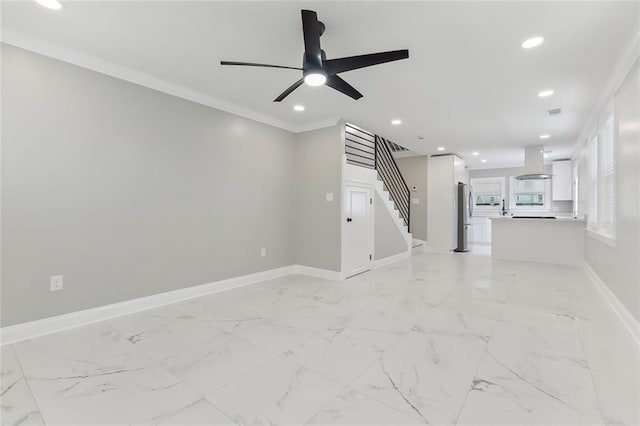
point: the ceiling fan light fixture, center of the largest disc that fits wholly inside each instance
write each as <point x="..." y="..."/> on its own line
<point x="315" y="79"/>
<point x="50" y="4"/>
<point x="532" y="42"/>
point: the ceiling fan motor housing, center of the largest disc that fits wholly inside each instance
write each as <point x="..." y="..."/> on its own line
<point x="311" y="67"/>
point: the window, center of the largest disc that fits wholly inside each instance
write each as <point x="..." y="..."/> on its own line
<point x="593" y="182"/>
<point x="488" y="193"/>
<point x="607" y="177"/>
<point x="531" y="194"/>
<point x="576" y="189"/>
<point x="602" y="180"/>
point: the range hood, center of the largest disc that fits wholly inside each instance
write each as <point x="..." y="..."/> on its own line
<point x="534" y="163"/>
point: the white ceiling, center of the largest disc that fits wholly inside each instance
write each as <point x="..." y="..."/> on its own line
<point x="468" y="85"/>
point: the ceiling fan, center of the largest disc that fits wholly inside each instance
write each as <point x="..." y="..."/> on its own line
<point x="317" y="69"/>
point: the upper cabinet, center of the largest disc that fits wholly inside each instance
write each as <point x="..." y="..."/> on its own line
<point x="562" y="181"/>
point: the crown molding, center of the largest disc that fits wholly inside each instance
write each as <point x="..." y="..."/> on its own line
<point x="93" y="63"/>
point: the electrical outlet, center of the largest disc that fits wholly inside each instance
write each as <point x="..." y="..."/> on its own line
<point x="329" y="196"/>
<point x="56" y="283"/>
<point x="263" y="252"/>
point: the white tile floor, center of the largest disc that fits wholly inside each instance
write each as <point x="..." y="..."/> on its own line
<point x="439" y="339"/>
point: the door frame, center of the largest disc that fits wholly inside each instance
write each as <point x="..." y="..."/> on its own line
<point x="372" y="194"/>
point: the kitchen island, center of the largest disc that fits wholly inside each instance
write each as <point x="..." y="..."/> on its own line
<point x="557" y="241"/>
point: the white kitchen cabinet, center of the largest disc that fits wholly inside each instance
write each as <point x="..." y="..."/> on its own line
<point x="480" y="231"/>
<point x="562" y="181"/>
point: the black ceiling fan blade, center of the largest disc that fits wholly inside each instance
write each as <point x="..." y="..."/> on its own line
<point x="335" y="66"/>
<point x="252" y="64"/>
<point x="342" y="86"/>
<point x="311" y="33"/>
<point x="290" y="89"/>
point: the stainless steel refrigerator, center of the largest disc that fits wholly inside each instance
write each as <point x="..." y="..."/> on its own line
<point x="464" y="203"/>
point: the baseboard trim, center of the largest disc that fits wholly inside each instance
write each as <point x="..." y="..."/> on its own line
<point x="391" y="259"/>
<point x="629" y="321"/>
<point x="317" y="272"/>
<point x="29" y="330"/>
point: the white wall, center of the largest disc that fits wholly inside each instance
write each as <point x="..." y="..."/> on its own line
<point x="129" y="192"/>
<point x="414" y="171"/>
<point x="441" y="216"/>
<point x="317" y="224"/>
<point x="617" y="262"/>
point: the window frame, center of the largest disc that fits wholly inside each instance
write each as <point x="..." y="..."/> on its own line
<point x="498" y="179"/>
<point x="546" y="207"/>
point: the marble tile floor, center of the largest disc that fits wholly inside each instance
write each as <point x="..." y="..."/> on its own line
<point x="435" y="339"/>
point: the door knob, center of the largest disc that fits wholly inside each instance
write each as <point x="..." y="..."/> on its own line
<point x="349" y="219"/>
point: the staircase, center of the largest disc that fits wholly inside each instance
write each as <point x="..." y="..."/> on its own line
<point x="370" y="151"/>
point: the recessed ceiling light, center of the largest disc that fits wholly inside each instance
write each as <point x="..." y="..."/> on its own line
<point x="532" y="42"/>
<point x="545" y="136"/>
<point x="545" y="93"/>
<point x="483" y="161"/>
<point x="475" y="153"/>
<point x="396" y="122"/>
<point x="315" y="79"/>
<point x="441" y="148"/>
<point x="50" y="4"/>
<point x="298" y="107"/>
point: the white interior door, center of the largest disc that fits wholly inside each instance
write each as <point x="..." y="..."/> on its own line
<point x="358" y="238"/>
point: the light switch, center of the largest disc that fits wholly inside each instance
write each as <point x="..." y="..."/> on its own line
<point x="415" y="201"/>
<point x="329" y="196"/>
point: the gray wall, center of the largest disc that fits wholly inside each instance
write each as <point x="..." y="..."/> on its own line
<point x="619" y="266"/>
<point x="318" y="170"/>
<point x="414" y="171"/>
<point x="388" y="240"/>
<point x="556" y="206"/>
<point x="129" y="192"/>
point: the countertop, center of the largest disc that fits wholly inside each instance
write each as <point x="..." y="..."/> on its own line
<point x="563" y="219"/>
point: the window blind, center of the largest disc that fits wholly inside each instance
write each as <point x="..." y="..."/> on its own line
<point x="593" y="181"/>
<point x="607" y="165"/>
<point x="488" y="188"/>
<point x="530" y="186"/>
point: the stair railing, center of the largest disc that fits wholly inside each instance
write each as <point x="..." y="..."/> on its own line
<point x="365" y="149"/>
<point x="392" y="178"/>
